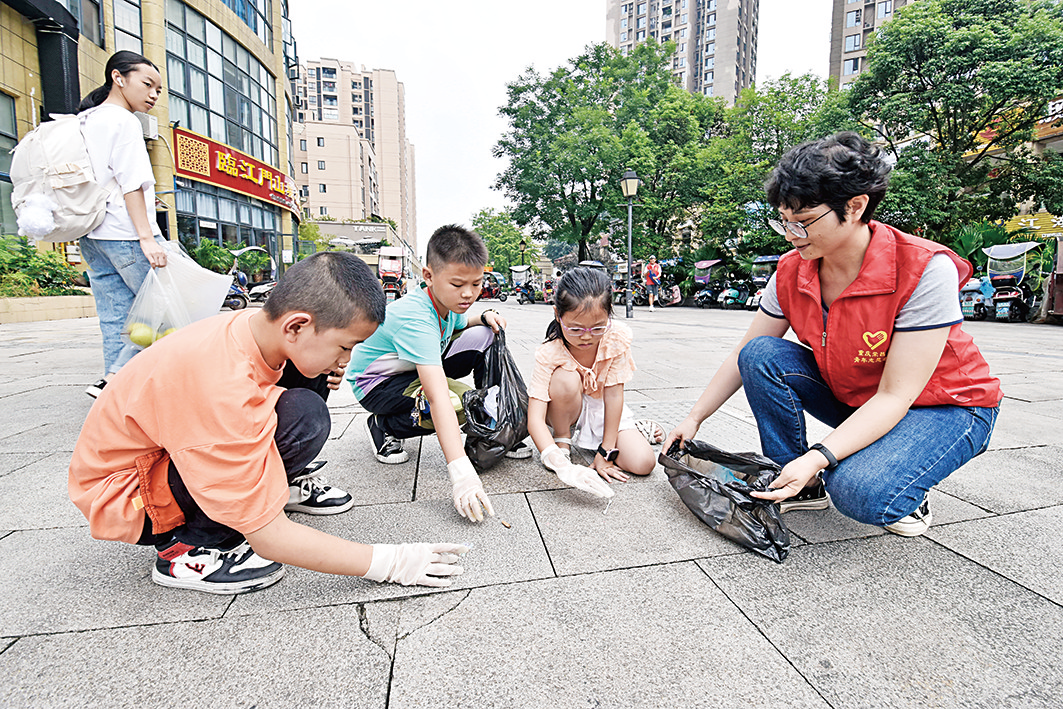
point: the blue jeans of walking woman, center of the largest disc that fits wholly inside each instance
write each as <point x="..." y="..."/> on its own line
<point x="889" y="478"/>
<point x="117" y="269"/>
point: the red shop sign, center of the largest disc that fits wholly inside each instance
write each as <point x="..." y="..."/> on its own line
<point x="203" y="159"/>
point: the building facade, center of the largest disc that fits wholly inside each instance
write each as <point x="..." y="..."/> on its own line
<point x="355" y="160"/>
<point x="852" y="24"/>
<point x="716" y="40"/>
<point x="220" y="134"/>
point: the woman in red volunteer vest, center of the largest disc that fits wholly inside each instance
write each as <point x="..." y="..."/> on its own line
<point x="882" y="357"/>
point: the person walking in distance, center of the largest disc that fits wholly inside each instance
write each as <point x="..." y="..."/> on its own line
<point x="652" y="272"/>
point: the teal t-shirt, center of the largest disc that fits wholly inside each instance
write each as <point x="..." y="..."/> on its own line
<point x="411" y="334"/>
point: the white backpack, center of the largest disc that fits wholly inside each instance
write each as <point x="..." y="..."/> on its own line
<point x="56" y="196"/>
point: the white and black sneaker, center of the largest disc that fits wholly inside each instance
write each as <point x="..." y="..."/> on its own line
<point x="311" y="494"/>
<point x="811" y="497"/>
<point x="96" y="388"/>
<point x="387" y="448"/>
<point x="914" y="524"/>
<point x="237" y="570"/>
<point x="520" y="451"/>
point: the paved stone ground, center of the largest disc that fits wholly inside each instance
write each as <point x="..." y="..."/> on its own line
<point x="639" y="607"/>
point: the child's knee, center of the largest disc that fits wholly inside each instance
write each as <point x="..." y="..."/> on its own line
<point x="636" y="455"/>
<point x="566" y="386"/>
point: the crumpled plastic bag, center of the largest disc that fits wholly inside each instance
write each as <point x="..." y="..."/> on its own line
<point x="716" y="486"/>
<point x="157" y="311"/>
<point x="496" y="414"/>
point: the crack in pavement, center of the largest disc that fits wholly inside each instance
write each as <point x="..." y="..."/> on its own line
<point x="433" y="620"/>
<point x="363" y="624"/>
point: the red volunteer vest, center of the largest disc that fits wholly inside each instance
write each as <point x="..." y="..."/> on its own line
<point x="851" y="350"/>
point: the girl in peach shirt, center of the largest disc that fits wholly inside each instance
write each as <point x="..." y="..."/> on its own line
<point x="579" y="378"/>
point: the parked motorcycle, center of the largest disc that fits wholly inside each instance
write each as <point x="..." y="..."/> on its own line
<point x="734" y="296"/>
<point x="525" y="293"/>
<point x="639" y="296"/>
<point x="237" y="297"/>
<point x="1012" y="297"/>
<point x="259" y="292"/>
<point x="976" y="298"/>
<point x="491" y="289"/>
<point x="709" y="296"/>
<point x="763" y="268"/>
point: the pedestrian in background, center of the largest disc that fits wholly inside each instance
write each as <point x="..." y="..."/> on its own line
<point x="126" y="244"/>
<point x="652" y="273"/>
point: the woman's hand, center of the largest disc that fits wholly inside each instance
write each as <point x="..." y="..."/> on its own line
<point x="794" y="477"/>
<point x="685" y="431"/>
<point x="153" y="252"/>
<point x="608" y="470"/>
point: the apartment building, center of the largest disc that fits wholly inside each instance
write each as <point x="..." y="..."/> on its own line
<point x="219" y="135"/>
<point x="716" y="40"/>
<point x="853" y="22"/>
<point x="358" y="161"/>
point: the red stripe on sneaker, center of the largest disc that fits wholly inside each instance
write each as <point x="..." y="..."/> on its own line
<point x="175" y="551"/>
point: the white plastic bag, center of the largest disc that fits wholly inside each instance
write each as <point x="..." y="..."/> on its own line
<point x="201" y="289"/>
<point x="157" y="311"/>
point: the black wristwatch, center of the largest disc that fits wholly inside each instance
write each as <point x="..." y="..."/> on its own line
<point x="608" y="455"/>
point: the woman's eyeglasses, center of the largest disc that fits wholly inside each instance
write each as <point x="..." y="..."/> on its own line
<point x="796" y="228"/>
<point x="596" y="331"/>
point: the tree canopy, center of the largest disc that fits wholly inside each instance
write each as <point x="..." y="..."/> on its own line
<point x="503" y="240"/>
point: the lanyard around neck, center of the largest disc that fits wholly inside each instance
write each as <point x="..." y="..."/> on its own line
<point x="435" y="310"/>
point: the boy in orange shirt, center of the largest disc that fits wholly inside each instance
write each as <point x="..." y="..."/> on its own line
<point x="193" y="448"/>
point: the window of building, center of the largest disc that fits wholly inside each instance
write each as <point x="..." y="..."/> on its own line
<point x="320" y="164"/>
<point x="256" y="14"/>
<point x="852" y="42"/>
<point x="328" y="72"/>
<point x="641" y="22"/>
<point x="208" y="212"/>
<point x="885" y="8"/>
<point x="641" y="9"/>
<point x="683" y="33"/>
<point x="322" y="188"/>
<point x="329" y="101"/>
<point x="851" y="66"/>
<point x="710" y="34"/>
<point x="682" y="62"/>
<point x="710" y="62"/>
<point x="311" y="73"/>
<point x="330" y="114"/>
<point x="8" y="139"/>
<point x="708" y="90"/>
<point x="321" y="144"/>
<point x="666" y="11"/>
<point x="127" y="29"/>
<point x="329" y="86"/>
<point x="302" y="143"/>
<point x="710" y="5"/>
<point x="623" y="36"/>
<point x="852" y="18"/>
<point x="710" y="48"/>
<point x="304" y="168"/>
<point x="683" y="19"/>
<point x="323" y="211"/>
<point x="710" y="19"/>
<point x="640" y="36"/>
<point x="216" y="87"/>
<point x="89" y="17"/>
<point x="623" y="23"/>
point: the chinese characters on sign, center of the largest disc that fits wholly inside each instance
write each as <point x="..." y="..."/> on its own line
<point x="202" y="159"/>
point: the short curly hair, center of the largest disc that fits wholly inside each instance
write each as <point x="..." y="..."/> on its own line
<point x="830" y="171"/>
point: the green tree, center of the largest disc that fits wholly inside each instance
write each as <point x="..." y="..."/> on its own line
<point x="503" y="238"/>
<point x="955" y="88"/>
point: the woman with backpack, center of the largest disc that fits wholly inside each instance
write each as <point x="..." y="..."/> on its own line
<point x="126" y="244"/>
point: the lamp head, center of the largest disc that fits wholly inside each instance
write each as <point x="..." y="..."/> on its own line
<point x="629" y="184"/>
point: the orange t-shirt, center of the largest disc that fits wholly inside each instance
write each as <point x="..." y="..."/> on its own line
<point x="203" y="395"/>
<point x="613" y="364"/>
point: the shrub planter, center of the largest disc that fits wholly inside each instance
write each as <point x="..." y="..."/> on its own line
<point x="46" y="307"/>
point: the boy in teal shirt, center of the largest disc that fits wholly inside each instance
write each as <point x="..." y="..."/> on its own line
<point x="425" y="341"/>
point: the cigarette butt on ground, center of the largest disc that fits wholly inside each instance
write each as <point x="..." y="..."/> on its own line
<point x="505" y="524"/>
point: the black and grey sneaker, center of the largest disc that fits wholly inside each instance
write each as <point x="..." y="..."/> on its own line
<point x="96" y="388"/>
<point x="311" y="494"/>
<point x="387" y="449"/>
<point x="238" y="570"/>
<point x="519" y="452"/>
<point x="914" y="524"/>
<point x="812" y="497"/>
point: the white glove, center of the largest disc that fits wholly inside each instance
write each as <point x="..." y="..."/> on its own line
<point x="577" y="476"/>
<point x="469" y="492"/>
<point x="416" y="564"/>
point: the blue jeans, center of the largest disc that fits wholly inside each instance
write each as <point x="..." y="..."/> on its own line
<point x="118" y="269"/>
<point x="889" y="478"/>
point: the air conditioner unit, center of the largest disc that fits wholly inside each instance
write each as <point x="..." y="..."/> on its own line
<point x="149" y="124"/>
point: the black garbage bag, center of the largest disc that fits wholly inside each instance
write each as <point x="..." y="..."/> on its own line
<point x="716" y="486"/>
<point x="496" y="415"/>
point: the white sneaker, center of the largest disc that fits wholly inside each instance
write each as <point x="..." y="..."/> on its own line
<point x="237" y="570"/>
<point x="311" y="494"/>
<point x="651" y="308"/>
<point x="914" y="524"/>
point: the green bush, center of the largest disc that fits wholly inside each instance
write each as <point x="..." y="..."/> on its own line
<point x="26" y="272"/>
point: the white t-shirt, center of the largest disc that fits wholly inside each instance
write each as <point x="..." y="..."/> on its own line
<point x="934" y="303"/>
<point x="115" y="141"/>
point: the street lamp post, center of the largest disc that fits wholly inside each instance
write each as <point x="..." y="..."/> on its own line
<point x="629" y="185"/>
<point x="523" y="245"/>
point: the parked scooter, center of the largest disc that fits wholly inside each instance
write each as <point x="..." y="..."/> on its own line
<point x="260" y="291"/>
<point x="734" y="296"/>
<point x="639" y="295"/>
<point x="525" y="293"/>
<point x="1012" y="297"/>
<point x="237" y="297"/>
<point x="709" y="296"/>
<point x="976" y="298"/>
<point x="763" y="268"/>
<point x="492" y="290"/>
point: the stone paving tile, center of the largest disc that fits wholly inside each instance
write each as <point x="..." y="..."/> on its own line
<point x="61" y="580"/>
<point x="1009" y="480"/>
<point x="505" y="477"/>
<point x="10" y="462"/>
<point x="41" y="489"/>
<point x="830" y="525"/>
<point x="44" y="438"/>
<point x="893" y="622"/>
<point x="309" y="658"/>
<point x="1026" y="547"/>
<point x="499" y="555"/>
<point x="1019" y="426"/>
<point x="654" y="637"/>
<point x="352" y="467"/>
<point x="1031" y="386"/>
<point x="646" y="523"/>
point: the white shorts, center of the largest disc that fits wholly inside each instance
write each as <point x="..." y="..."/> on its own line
<point x="591" y="424"/>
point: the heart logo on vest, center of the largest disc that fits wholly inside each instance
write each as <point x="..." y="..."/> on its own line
<point x="874" y="339"/>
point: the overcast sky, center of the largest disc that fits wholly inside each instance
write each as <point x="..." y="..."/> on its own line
<point x="455" y="59"/>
